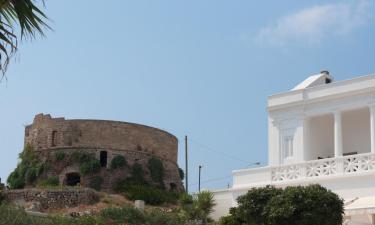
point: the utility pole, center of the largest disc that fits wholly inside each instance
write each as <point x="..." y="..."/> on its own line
<point x="186" y="166"/>
<point x="199" y="182"/>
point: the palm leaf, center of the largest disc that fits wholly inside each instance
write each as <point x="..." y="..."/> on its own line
<point x="22" y="15"/>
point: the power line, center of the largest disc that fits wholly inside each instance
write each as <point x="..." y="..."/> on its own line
<point x="222" y="153"/>
<point x="212" y="180"/>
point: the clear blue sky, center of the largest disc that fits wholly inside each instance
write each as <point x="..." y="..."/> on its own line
<point x="201" y="68"/>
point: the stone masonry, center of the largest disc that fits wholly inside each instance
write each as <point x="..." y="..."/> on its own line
<point x="137" y="143"/>
<point x="53" y="198"/>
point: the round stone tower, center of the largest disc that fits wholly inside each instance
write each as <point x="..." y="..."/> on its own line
<point x="105" y="140"/>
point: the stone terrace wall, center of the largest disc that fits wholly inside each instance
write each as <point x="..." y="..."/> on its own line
<point x="53" y="198"/>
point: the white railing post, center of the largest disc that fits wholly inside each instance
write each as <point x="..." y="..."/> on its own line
<point x="340" y="165"/>
<point x="303" y="170"/>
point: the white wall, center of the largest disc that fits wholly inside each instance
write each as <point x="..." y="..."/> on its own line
<point x="321" y="137"/>
<point x="356" y="131"/>
<point x="223" y="200"/>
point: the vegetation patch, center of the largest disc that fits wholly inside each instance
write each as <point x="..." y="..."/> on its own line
<point x="90" y="167"/>
<point x="156" y="168"/>
<point x="27" y="171"/>
<point x="96" y="183"/>
<point x="309" y="205"/>
<point x="49" y="182"/>
<point x="151" y="195"/>
<point x="181" y="173"/>
<point x="81" y="157"/>
<point x="59" y="156"/>
<point x="118" y="161"/>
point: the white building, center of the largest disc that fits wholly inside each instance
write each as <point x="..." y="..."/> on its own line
<point x="319" y="132"/>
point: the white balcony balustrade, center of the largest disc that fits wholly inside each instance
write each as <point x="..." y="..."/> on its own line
<point x="359" y="163"/>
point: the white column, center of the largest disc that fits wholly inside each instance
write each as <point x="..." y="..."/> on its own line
<point x="338" y="134"/>
<point x="372" y="128"/>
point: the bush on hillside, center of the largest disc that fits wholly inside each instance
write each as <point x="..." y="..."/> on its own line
<point x="31" y="175"/>
<point x="151" y="195"/>
<point x="181" y="173"/>
<point x="96" y="183"/>
<point x="156" y="168"/>
<point x="90" y="167"/>
<point x="118" y="161"/>
<point x="309" y="205"/>
<point x="27" y="171"/>
<point x="125" y="215"/>
<point x="49" y="182"/>
<point x="81" y="157"/>
<point x="59" y="156"/>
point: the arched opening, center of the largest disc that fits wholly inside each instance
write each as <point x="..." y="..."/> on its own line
<point x="72" y="179"/>
<point x="173" y="186"/>
<point x="54" y="137"/>
<point x="103" y="158"/>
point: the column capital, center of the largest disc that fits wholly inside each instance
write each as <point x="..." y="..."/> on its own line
<point x="337" y="112"/>
<point x="371" y="106"/>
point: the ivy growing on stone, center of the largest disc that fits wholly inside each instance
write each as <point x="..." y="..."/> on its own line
<point x="96" y="183"/>
<point x="27" y="171"/>
<point x="156" y="168"/>
<point x="118" y="161"/>
<point x="90" y="167"/>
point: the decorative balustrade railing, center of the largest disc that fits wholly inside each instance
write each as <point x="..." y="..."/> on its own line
<point x="325" y="167"/>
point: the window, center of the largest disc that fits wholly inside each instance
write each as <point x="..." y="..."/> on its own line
<point x="288" y="147"/>
<point x="54" y="137"/>
<point x="103" y="158"/>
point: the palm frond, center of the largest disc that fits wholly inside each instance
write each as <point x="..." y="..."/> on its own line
<point x="18" y="14"/>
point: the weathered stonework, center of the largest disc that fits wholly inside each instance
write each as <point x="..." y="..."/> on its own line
<point x="53" y="198"/>
<point x="137" y="143"/>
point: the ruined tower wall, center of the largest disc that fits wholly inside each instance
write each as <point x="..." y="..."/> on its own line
<point x="137" y="143"/>
<point x="48" y="133"/>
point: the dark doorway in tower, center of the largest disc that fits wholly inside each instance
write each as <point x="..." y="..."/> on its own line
<point x="73" y="179"/>
<point x="103" y="158"/>
<point x="173" y="186"/>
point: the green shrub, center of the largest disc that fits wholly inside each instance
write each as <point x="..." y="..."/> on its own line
<point x="158" y="217"/>
<point x="41" y="168"/>
<point x="229" y="220"/>
<point x="137" y="174"/>
<point x="181" y="173"/>
<point x="308" y="205"/>
<point x="125" y="215"/>
<point x="96" y="183"/>
<point x="26" y="171"/>
<point x="90" y="167"/>
<point x="81" y="157"/>
<point x="149" y="194"/>
<point x="118" y="161"/>
<point x="49" y="182"/>
<point x="156" y="168"/>
<point x="31" y="175"/>
<point x="15" y="181"/>
<point x="59" y="156"/>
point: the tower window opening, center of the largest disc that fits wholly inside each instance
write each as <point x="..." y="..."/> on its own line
<point x="103" y="158"/>
<point x="54" y="138"/>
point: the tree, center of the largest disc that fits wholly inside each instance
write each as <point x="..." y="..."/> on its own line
<point x="197" y="208"/>
<point x="300" y="205"/>
<point x="24" y="15"/>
